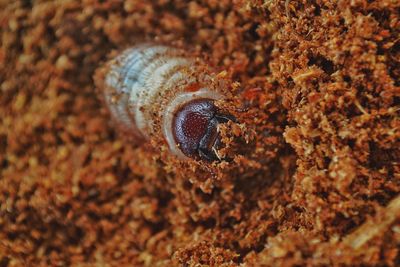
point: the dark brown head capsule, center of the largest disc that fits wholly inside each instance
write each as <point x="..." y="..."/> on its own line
<point x="149" y="93"/>
<point x="195" y="129"/>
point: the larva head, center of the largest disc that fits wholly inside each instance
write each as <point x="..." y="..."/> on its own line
<point x="195" y="129"/>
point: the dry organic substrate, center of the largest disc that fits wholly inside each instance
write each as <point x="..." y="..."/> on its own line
<point x="315" y="174"/>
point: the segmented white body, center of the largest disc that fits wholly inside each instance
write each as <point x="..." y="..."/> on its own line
<point x="146" y="84"/>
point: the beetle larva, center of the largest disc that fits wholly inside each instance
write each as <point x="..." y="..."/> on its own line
<point x="154" y="90"/>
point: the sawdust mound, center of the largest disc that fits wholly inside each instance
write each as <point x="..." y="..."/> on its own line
<point x="319" y="83"/>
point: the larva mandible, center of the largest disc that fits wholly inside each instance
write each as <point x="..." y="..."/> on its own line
<point x="153" y="89"/>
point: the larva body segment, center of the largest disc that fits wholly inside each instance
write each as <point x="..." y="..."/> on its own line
<point x="146" y="86"/>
